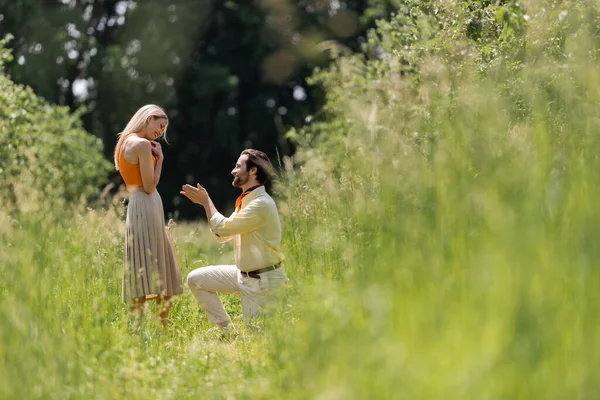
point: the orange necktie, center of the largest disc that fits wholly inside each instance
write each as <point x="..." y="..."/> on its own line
<point x="238" y="201"/>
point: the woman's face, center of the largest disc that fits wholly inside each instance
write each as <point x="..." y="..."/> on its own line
<point x="155" y="128"/>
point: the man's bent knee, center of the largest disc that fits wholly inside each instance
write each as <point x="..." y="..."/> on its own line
<point x="194" y="279"/>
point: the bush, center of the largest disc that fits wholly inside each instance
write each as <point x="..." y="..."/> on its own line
<point x="44" y="147"/>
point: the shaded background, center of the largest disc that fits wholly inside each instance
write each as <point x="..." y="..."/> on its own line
<point x="230" y="74"/>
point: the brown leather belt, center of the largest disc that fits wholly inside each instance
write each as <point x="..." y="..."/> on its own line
<point x="255" y="274"/>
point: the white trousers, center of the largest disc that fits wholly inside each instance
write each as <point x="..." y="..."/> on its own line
<point x="206" y="282"/>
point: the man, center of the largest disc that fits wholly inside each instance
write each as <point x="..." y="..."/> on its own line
<point x="256" y="233"/>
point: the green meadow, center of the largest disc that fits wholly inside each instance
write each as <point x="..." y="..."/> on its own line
<point x="441" y="225"/>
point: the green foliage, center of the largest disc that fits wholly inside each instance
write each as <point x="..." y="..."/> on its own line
<point x="45" y="146"/>
<point x="440" y="220"/>
<point x="230" y="74"/>
<point x="443" y="209"/>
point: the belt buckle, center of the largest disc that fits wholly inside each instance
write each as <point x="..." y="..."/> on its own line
<point x="248" y="274"/>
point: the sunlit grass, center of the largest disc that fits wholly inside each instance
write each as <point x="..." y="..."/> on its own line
<point x="440" y="246"/>
<point x="66" y="334"/>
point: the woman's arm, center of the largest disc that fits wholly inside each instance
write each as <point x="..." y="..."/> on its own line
<point x="157" y="151"/>
<point x="144" y="152"/>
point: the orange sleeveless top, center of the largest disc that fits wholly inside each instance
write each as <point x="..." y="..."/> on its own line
<point x="131" y="172"/>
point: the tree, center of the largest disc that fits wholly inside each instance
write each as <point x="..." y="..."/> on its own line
<point x="230" y="74"/>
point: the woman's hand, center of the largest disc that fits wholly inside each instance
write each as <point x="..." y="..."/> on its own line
<point x="157" y="150"/>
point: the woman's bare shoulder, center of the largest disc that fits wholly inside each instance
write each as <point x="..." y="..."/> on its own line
<point x="134" y="146"/>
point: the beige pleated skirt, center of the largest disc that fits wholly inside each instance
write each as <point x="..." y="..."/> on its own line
<point x="151" y="267"/>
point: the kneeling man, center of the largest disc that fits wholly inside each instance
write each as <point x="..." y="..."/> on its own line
<point x="255" y="230"/>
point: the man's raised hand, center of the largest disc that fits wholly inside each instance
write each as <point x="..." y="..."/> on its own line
<point x="197" y="194"/>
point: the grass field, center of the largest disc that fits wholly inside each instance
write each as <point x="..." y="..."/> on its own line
<point x="443" y="246"/>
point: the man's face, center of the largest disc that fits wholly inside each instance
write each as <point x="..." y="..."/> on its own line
<point x="240" y="173"/>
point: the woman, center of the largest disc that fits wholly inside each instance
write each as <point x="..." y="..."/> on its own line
<point x="151" y="268"/>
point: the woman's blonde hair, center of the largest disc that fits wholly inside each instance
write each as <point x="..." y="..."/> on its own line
<point x="137" y="123"/>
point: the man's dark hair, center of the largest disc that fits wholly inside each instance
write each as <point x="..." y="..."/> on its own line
<point x="258" y="159"/>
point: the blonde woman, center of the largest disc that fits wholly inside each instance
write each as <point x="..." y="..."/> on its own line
<point x="151" y="268"/>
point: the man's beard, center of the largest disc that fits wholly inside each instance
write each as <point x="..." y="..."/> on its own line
<point x="239" y="180"/>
